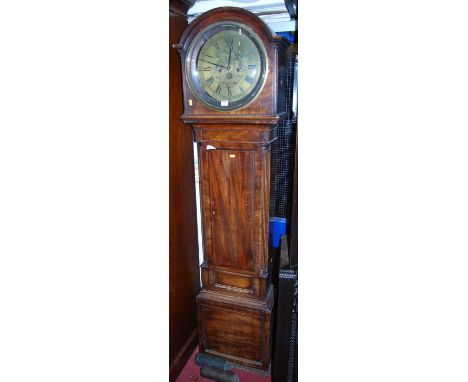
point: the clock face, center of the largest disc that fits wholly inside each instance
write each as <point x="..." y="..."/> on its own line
<point x="226" y="66"/>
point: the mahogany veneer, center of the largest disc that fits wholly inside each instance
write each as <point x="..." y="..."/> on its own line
<point x="235" y="304"/>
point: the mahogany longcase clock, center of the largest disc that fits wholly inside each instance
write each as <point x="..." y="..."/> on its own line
<point x="233" y="87"/>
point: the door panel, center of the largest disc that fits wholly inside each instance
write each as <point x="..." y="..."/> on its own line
<point x="231" y="176"/>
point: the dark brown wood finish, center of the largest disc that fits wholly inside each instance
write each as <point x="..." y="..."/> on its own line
<point x="184" y="281"/>
<point x="180" y="7"/>
<point x="269" y="101"/>
<point x="235" y="206"/>
<point x="235" y="305"/>
<point x="231" y="176"/>
<point x="236" y="329"/>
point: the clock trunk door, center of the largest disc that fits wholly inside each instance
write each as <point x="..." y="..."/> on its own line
<point x="231" y="181"/>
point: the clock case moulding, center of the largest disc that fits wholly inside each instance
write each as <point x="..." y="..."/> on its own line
<point x="235" y="304"/>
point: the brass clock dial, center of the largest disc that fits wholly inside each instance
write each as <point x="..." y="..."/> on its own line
<point x="226" y="66"/>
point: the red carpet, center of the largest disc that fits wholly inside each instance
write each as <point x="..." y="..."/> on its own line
<point x="191" y="373"/>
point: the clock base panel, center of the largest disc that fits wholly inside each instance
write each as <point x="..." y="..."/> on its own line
<point x="235" y="329"/>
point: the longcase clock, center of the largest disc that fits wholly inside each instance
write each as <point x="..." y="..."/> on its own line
<point x="233" y="87"/>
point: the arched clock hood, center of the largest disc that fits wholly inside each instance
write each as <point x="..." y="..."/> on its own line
<point x="268" y="106"/>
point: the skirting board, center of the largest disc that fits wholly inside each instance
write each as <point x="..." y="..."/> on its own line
<point x="180" y="360"/>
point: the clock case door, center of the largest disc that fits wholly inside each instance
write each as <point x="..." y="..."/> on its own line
<point x="235" y="304"/>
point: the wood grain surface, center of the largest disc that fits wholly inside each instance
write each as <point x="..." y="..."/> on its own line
<point x="234" y="307"/>
<point x="184" y="281"/>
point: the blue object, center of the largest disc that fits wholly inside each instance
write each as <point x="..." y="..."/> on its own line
<point x="277" y="228"/>
<point x="287" y="35"/>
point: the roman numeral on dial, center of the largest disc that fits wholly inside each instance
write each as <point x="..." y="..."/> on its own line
<point x="208" y="82"/>
<point x="229" y="41"/>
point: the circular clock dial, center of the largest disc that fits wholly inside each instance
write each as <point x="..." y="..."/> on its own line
<point x="226" y="67"/>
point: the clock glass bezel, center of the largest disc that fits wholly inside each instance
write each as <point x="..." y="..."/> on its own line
<point x="192" y="73"/>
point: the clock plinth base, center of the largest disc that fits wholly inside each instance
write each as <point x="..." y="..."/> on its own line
<point x="235" y="329"/>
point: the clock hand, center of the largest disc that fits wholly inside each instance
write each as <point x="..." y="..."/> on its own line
<point x="212" y="63"/>
<point x="229" y="60"/>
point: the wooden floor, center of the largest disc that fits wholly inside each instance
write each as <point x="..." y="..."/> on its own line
<point x="191" y="373"/>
